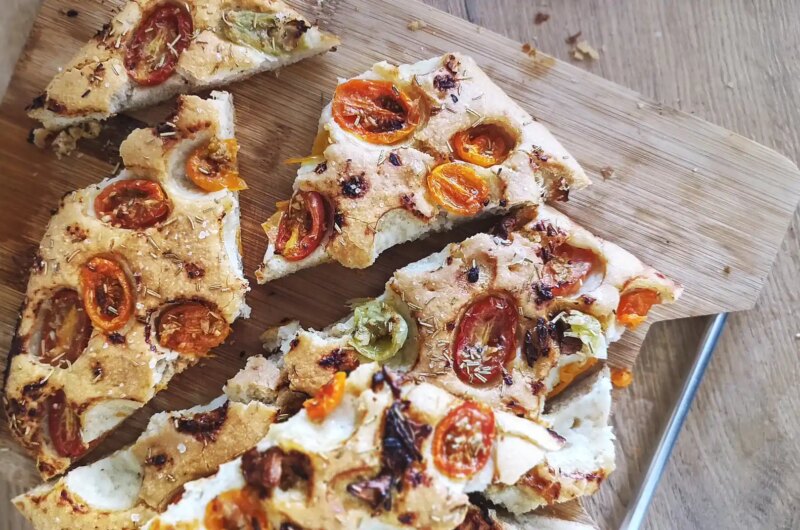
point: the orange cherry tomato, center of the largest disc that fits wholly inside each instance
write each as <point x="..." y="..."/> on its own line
<point x="327" y="399"/>
<point x="191" y="328"/>
<point x="375" y="111"/>
<point x="107" y="293"/>
<point x="134" y="203"/>
<point x="569" y="373"/>
<point x="634" y="306"/>
<point x="458" y="188"/>
<point x="62" y="328"/>
<point x="238" y="508"/>
<point x="65" y="426"/>
<point x="213" y="167"/>
<point x="621" y="377"/>
<point x="462" y="442"/>
<point x="568" y="268"/>
<point x="302" y="225"/>
<point x="486" y="340"/>
<point x="483" y="145"/>
<point x="157" y="43"/>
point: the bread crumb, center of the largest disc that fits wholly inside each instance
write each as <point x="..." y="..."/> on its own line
<point x="607" y="172"/>
<point x="541" y="18"/>
<point x="586" y="49"/>
<point x="726" y="269"/>
<point x="639" y="105"/>
<point x="416" y="25"/>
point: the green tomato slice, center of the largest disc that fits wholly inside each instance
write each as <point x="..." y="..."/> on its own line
<point x="379" y="331"/>
<point x="268" y="32"/>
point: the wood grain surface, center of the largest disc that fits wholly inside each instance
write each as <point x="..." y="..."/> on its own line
<point x="726" y="66"/>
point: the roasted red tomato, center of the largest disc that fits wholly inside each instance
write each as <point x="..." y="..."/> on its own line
<point x="191" y="328"/>
<point x="157" y="43"/>
<point x="483" y="145"/>
<point x="458" y="188"/>
<point x="107" y="293"/>
<point x="134" y="204"/>
<point x="486" y="340"/>
<point x="327" y="399"/>
<point x="65" y="426"/>
<point x="568" y="269"/>
<point x="462" y="442"/>
<point x="634" y="306"/>
<point x="375" y="111"/>
<point x="238" y="508"/>
<point x="213" y="167"/>
<point x="302" y="226"/>
<point x="62" y="328"/>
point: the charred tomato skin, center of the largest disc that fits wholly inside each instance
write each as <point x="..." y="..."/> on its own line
<point x="486" y="334"/>
<point x="375" y="111"/>
<point x="302" y="226"/>
<point x="107" y="293"/>
<point x="132" y="203"/>
<point x="165" y="31"/>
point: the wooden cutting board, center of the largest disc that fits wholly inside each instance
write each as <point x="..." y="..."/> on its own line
<point x="700" y="203"/>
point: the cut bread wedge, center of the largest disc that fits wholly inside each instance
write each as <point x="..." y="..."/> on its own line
<point x="377" y="454"/>
<point x="152" y="50"/>
<point x="136" y="278"/>
<point x="507" y="319"/>
<point x="126" y="489"/>
<point x="406" y="150"/>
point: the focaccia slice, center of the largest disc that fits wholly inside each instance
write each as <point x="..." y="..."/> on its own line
<point x="506" y="318"/>
<point x="405" y="150"/>
<point x="126" y="489"/>
<point x="381" y="452"/>
<point x="136" y="278"/>
<point x="153" y="49"/>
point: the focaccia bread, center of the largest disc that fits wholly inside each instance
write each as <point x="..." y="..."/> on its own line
<point x="405" y="150"/>
<point x="152" y="50"/>
<point x="381" y="452"/>
<point x="507" y="319"/>
<point x="136" y="278"/>
<point x="126" y="489"/>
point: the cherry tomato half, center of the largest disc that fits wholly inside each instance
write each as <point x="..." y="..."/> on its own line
<point x="458" y="188"/>
<point x="191" y="328"/>
<point x="157" y="43"/>
<point x="107" y="293"/>
<point x="133" y="204"/>
<point x="486" y="340"/>
<point x="238" y="508"/>
<point x="634" y="306"/>
<point x="483" y="145"/>
<point x="568" y="269"/>
<point x="327" y="399"/>
<point x="213" y="167"/>
<point x="65" y="426"/>
<point x="462" y="442"/>
<point x="375" y="111"/>
<point x="63" y="328"/>
<point x="302" y="226"/>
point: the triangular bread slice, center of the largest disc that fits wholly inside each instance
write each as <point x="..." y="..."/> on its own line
<point x="550" y="295"/>
<point x="136" y="278"/>
<point x="381" y="455"/>
<point x="406" y="150"/>
<point x="152" y="50"/>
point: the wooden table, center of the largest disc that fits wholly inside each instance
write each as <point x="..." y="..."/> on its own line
<point x="736" y="464"/>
